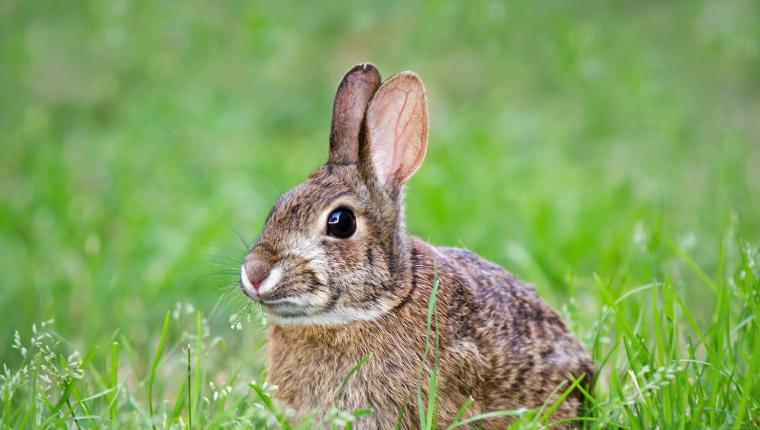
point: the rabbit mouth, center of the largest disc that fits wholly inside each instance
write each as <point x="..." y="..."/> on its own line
<point x="334" y="315"/>
<point x="292" y="306"/>
<point x="288" y="306"/>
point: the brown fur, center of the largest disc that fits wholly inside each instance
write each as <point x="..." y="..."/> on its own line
<point x="499" y="342"/>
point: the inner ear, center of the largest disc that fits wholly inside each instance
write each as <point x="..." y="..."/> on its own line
<point x="397" y="131"/>
<point x="351" y="100"/>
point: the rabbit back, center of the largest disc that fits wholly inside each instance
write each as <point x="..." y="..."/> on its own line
<point x="531" y="352"/>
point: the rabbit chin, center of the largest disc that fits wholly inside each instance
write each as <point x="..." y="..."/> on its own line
<point x="337" y="315"/>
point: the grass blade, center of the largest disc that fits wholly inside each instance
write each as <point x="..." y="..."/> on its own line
<point x="351" y="372"/>
<point x="431" y="308"/>
<point x="266" y="399"/>
<point x="461" y="412"/>
<point x="154" y="367"/>
<point x="114" y="378"/>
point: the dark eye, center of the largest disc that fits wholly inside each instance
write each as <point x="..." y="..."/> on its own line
<point x="341" y="223"/>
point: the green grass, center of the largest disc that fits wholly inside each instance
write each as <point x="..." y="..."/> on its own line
<point x="607" y="152"/>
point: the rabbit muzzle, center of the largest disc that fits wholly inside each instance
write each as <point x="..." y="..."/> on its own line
<point x="287" y="285"/>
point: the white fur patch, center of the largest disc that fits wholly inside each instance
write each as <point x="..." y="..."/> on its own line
<point x="306" y="249"/>
<point x="247" y="286"/>
<point x="268" y="284"/>
<point x="275" y="275"/>
<point x="294" y="301"/>
<point x="309" y="251"/>
<point x="336" y="316"/>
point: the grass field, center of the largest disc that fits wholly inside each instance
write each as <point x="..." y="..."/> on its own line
<point x="609" y="153"/>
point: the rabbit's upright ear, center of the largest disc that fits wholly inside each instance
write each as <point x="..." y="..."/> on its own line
<point x="397" y="131"/>
<point x="354" y="93"/>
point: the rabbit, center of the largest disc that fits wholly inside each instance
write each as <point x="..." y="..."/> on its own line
<point x="340" y="278"/>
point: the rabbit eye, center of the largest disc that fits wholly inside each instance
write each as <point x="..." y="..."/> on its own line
<point x="341" y="223"/>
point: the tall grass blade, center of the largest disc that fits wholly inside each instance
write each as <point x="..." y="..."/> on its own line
<point x="114" y="382"/>
<point x="154" y="367"/>
<point x="431" y="309"/>
<point x="351" y="372"/>
<point x="266" y="399"/>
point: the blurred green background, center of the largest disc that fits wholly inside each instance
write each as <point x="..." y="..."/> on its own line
<point x="567" y="139"/>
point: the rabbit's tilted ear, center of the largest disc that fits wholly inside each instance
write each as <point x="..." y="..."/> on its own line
<point x="354" y="93"/>
<point x="397" y="130"/>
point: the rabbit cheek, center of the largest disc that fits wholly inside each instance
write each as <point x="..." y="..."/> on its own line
<point x="302" y="291"/>
<point x="313" y="255"/>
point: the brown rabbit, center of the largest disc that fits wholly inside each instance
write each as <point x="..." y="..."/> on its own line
<point x="340" y="278"/>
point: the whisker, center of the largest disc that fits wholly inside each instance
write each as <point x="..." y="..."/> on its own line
<point x="228" y="272"/>
<point x="245" y="243"/>
<point x="222" y="257"/>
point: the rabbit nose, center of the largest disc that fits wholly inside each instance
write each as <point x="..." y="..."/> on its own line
<point x="253" y="273"/>
<point x="260" y="272"/>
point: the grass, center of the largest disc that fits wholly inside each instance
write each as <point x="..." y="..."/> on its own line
<point x="608" y="153"/>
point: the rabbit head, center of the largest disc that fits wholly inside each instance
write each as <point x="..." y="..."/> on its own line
<point x="334" y="248"/>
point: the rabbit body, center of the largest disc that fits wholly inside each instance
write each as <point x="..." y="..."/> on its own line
<point x="498" y="342"/>
<point x="340" y="279"/>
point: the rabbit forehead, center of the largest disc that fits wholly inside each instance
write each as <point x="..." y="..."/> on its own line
<point x="299" y="210"/>
<point x="299" y="205"/>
